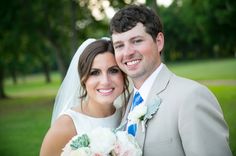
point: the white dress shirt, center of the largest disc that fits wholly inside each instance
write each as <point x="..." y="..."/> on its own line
<point x="145" y="88"/>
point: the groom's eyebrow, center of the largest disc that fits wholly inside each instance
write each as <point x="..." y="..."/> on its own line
<point x="130" y="39"/>
<point x="117" y="42"/>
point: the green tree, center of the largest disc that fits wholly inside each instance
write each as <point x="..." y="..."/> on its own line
<point x="199" y="29"/>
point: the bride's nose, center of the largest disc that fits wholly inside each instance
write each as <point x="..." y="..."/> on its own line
<point x="105" y="79"/>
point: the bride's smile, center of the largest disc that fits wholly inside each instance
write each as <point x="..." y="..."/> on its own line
<point x="104" y="81"/>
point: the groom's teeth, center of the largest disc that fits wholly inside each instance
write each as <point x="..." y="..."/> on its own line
<point x="105" y="90"/>
<point x="132" y="62"/>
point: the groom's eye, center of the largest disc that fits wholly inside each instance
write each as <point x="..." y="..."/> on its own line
<point x="137" y="41"/>
<point x="118" y="46"/>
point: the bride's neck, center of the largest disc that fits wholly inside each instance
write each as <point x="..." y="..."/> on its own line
<point x="97" y="110"/>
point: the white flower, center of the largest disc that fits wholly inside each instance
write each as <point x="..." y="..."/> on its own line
<point x="102" y="141"/>
<point x="137" y="113"/>
<point x="66" y="150"/>
<point x="126" y="145"/>
<point x="83" y="151"/>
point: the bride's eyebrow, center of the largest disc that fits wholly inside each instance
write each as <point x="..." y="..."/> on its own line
<point x="115" y="66"/>
<point x="94" y="69"/>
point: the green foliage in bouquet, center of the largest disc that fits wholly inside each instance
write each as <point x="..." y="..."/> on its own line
<point x="81" y="141"/>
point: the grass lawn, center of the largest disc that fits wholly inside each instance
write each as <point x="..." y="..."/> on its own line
<point x="206" y="70"/>
<point x="226" y="97"/>
<point x="25" y="117"/>
<point x="24" y="122"/>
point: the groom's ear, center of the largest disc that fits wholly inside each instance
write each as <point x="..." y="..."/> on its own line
<point x="160" y="41"/>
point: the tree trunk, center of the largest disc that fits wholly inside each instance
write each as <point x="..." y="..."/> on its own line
<point x="58" y="53"/>
<point x="59" y="58"/>
<point x="46" y="70"/>
<point x="74" y="40"/>
<point x="13" y="75"/>
<point x="2" y="93"/>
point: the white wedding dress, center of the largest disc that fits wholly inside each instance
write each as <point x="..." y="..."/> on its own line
<point x="84" y="123"/>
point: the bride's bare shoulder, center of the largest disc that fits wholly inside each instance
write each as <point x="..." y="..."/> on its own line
<point x="64" y="124"/>
<point x="57" y="136"/>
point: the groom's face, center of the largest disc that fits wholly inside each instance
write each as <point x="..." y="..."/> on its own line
<point x="137" y="54"/>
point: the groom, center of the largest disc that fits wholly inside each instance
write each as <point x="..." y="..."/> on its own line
<point x="188" y="119"/>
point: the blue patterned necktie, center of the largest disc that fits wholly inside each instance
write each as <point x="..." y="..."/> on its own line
<point x="136" y="101"/>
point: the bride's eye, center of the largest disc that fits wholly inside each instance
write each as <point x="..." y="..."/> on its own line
<point x="114" y="70"/>
<point x="94" y="72"/>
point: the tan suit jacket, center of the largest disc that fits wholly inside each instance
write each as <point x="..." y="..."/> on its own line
<point x="189" y="121"/>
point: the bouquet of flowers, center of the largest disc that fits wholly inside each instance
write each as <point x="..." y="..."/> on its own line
<point x="102" y="142"/>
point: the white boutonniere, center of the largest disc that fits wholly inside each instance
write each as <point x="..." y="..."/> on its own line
<point x="137" y="114"/>
<point x="143" y="113"/>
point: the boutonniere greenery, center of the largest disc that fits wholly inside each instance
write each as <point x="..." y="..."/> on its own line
<point x="142" y="113"/>
<point x="152" y="108"/>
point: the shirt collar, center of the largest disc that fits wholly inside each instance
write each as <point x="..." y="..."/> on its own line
<point x="148" y="83"/>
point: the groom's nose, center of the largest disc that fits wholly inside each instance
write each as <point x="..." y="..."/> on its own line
<point x="129" y="49"/>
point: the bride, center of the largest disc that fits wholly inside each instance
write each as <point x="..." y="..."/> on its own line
<point x="86" y="98"/>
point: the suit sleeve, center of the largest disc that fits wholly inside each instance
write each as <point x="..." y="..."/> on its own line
<point x="202" y="127"/>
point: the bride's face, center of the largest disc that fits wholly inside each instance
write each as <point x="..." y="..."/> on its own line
<point x="105" y="82"/>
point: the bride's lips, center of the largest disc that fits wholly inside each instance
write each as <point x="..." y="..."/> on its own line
<point x="105" y="92"/>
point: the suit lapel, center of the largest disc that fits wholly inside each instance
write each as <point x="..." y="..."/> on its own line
<point x="159" y="85"/>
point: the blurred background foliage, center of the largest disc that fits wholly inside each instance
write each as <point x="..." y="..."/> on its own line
<point x="41" y="36"/>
